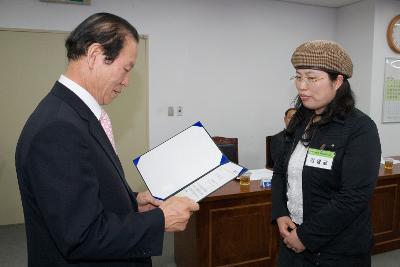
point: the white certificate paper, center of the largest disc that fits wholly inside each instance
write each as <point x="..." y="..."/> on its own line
<point x="188" y="164"/>
<point x="211" y="181"/>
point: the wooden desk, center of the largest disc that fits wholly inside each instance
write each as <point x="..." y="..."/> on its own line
<point x="233" y="225"/>
<point x="385" y="205"/>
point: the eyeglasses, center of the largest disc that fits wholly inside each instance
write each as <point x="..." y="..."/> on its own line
<point x="307" y="80"/>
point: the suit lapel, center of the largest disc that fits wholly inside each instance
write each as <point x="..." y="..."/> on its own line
<point x="98" y="133"/>
<point x="95" y="128"/>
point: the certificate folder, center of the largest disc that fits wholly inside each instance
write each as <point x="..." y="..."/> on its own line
<point x="188" y="164"/>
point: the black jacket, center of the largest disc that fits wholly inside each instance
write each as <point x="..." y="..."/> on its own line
<point x="336" y="213"/>
<point x="78" y="207"/>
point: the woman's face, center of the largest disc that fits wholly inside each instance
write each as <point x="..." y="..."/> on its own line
<point x="315" y="89"/>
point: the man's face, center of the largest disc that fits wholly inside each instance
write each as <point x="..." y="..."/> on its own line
<point x="109" y="78"/>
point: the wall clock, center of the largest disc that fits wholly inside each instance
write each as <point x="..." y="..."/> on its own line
<point x="393" y="34"/>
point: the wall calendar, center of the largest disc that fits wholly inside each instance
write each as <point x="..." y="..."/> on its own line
<point x="391" y="91"/>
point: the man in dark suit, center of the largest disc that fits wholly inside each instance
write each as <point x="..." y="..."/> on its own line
<point x="277" y="140"/>
<point x="78" y="207"/>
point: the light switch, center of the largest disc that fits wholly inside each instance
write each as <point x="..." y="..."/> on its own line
<point x="170" y="111"/>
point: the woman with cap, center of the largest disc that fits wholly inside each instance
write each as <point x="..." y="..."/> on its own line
<point x="323" y="183"/>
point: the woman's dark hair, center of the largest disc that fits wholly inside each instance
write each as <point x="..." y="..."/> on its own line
<point x="342" y="103"/>
<point x="109" y="30"/>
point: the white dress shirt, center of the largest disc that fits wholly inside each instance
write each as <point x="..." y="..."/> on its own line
<point x="295" y="183"/>
<point x="83" y="94"/>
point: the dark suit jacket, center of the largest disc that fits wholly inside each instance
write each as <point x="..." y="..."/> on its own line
<point x="78" y="207"/>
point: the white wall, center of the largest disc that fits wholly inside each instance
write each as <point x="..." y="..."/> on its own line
<point x="226" y="62"/>
<point x="385" y="10"/>
<point x="354" y="31"/>
<point x="361" y="28"/>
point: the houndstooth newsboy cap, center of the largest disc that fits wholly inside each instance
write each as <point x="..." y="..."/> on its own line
<point x="322" y="54"/>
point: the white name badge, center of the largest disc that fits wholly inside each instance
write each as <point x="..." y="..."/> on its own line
<point x="320" y="158"/>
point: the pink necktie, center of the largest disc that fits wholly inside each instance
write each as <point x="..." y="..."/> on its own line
<point x="106" y="124"/>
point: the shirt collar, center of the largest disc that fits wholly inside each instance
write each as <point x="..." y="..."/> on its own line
<point x="83" y="94"/>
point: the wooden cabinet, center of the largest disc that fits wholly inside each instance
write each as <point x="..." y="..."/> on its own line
<point x="233" y="226"/>
<point x="385" y="206"/>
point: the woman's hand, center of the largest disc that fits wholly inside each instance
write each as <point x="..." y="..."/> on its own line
<point x="293" y="242"/>
<point x="285" y="225"/>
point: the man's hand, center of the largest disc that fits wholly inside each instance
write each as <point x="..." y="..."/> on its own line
<point x="146" y="201"/>
<point x="293" y="242"/>
<point x="285" y="225"/>
<point x="177" y="211"/>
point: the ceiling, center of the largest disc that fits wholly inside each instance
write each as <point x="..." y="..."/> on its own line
<point x="326" y="3"/>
